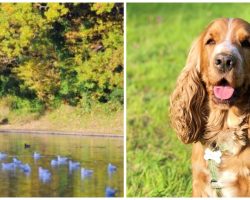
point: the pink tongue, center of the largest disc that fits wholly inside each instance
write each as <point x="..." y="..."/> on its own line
<point x="223" y="92"/>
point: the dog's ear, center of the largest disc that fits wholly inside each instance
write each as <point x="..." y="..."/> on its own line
<point x="188" y="101"/>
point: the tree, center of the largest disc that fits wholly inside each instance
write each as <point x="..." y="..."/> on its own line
<point x="62" y="51"/>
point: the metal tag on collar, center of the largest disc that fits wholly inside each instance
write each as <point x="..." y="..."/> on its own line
<point x="213" y="155"/>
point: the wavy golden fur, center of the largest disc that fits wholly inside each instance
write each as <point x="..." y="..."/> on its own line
<point x="210" y="106"/>
<point x="188" y="107"/>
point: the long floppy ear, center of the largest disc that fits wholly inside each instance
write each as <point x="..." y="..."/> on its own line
<point x="188" y="101"/>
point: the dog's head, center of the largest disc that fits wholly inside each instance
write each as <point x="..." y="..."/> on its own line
<point x="217" y="71"/>
<point x="225" y="61"/>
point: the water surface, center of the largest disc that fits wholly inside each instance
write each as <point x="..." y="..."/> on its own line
<point x="92" y="152"/>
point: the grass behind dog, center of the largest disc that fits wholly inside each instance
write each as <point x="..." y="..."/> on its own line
<point x="158" y="39"/>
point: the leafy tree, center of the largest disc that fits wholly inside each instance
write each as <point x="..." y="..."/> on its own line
<point x="70" y="51"/>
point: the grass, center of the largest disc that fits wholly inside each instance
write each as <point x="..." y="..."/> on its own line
<point x="100" y="119"/>
<point x="158" y="40"/>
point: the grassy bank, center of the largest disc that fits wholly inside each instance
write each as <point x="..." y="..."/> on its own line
<point x="100" y="119"/>
<point x="61" y="66"/>
<point x="158" y="40"/>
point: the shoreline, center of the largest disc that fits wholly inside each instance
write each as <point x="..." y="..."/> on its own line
<point x="55" y="132"/>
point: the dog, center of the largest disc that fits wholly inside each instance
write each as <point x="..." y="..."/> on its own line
<point x="210" y="108"/>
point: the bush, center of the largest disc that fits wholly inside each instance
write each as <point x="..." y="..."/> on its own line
<point x="24" y="105"/>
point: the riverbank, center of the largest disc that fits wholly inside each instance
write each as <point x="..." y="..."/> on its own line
<point x="54" y="132"/>
<point x="64" y="120"/>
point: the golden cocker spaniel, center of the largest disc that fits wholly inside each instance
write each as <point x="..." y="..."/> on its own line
<point x="210" y="107"/>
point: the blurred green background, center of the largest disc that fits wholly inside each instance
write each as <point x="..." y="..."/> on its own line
<point x="158" y="39"/>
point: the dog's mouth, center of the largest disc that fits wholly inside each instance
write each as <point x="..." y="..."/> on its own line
<point x="224" y="92"/>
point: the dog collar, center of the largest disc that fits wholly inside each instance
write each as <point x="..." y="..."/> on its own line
<point x="213" y="158"/>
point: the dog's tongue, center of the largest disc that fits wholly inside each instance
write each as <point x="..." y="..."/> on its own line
<point x="223" y="92"/>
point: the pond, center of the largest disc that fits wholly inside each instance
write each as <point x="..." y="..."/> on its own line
<point x="85" y="172"/>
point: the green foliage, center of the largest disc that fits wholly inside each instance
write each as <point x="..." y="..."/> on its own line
<point x="158" y="40"/>
<point x="100" y="8"/>
<point x="19" y="25"/>
<point x="23" y="105"/>
<point x="62" y="52"/>
<point x="55" y="11"/>
<point x="4" y="80"/>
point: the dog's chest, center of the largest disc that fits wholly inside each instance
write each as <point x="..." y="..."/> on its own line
<point x="233" y="172"/>
<point x="232" y="134"/>
<point x="234" y="120"/>
<point x="233" y="177"/>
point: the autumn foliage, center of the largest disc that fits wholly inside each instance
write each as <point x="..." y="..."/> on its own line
<point x="68" y="53"/>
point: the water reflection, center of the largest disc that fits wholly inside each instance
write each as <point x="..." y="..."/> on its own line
<point x="62" y="166"/>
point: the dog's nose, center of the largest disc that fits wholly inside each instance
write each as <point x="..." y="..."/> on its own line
<point x="224" y="62"/>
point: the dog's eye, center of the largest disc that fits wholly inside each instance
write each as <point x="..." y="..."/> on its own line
<point x="245" y="43"/>
<point x="210" y="41"/>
